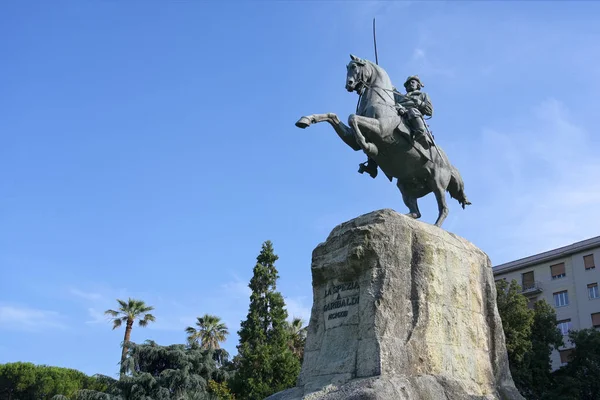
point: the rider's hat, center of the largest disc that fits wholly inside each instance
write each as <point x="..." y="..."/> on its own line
<point x="413" y="78"/>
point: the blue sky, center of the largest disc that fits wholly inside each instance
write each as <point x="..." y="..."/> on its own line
<point x="149" y="148"/>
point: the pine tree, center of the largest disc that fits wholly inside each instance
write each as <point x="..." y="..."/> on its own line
<point x="266" y="364"/>
<point x="22" y="380"/>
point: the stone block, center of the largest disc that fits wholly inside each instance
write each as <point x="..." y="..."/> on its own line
<point x="402" y="310"/>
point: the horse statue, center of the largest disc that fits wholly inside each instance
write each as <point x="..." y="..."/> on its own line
<point x="382" y="134"/>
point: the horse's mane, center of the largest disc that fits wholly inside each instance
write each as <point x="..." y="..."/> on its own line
<point x="381" y="72"/>
<point x="376" y="70"/>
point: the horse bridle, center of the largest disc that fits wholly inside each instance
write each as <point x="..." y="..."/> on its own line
<point x="367" y="86"/>
<point x="364" y="83"/>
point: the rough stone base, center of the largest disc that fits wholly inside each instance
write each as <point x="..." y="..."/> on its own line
<point x="402" y="310"/>
<point x="423" y="387"/>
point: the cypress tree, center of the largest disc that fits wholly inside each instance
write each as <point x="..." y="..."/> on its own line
<point x="266" y="364"/>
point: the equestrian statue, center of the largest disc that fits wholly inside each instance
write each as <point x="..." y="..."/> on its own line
<point x="390" y="128"/>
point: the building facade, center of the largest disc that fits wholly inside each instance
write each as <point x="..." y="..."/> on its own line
<point x="567" y="278"/>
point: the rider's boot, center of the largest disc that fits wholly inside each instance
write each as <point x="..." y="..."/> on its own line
<point x="419" y="131"/>
<point x="369" y="167"/>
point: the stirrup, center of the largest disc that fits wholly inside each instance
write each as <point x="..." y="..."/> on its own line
<point x="363" y="167"/>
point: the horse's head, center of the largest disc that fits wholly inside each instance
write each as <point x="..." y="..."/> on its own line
<point x="358" y="74"/>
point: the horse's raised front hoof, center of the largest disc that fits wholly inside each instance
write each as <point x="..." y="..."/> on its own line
<point x="303" y="122"/>
<point x="413" y="215"/>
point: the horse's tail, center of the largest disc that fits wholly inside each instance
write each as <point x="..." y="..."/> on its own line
<point x="456" y="188"/>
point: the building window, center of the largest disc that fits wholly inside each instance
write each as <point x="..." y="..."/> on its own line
<point x="531" y="303"/>
<point x="565" y="356"/>
<point x="588" y="261"/>
<point x="564" y="326"/>
<point x="596" y="320"/>
<point x="558" y="271"/>
<point x="527" y="281"/>
<point x="561" y="299"/>
<point x="593" y="291"/>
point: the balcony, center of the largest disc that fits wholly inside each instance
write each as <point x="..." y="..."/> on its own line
<point x="532" y="288"/>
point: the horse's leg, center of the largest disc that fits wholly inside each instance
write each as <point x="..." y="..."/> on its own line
<point x="410" y="201"/>
<point x="438" y="184"/>
<point x="344" y="132"/>
<point x="369" y="125"/>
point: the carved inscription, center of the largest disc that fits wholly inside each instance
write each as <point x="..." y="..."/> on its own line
<point x="343" y="302"/>
<point x="339" y="314"/>
<point x="341" y="288"/>
<point x="336" y="298"/>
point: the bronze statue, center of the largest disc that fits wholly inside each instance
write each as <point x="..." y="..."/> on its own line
<point x="379" y="130"/>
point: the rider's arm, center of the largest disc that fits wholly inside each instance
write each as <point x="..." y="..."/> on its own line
<point x="424" y="105"/>
<point x="407" y="101"/>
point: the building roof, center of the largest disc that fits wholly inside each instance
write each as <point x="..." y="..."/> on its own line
<point x="548" y="255"/>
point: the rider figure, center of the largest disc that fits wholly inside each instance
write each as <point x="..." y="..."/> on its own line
<point x="412" y="106"/>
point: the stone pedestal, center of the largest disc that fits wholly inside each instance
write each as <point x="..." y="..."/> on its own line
<point x="402" y="310"/>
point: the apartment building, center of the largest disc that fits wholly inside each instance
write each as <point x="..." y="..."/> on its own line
<point x="567" y="278"/>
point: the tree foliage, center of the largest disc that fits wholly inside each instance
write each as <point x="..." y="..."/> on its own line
<point x="531" y="335"/>
<point x="535" y="374"/>
<point x="517" y="321"/>
<point x="579" y="379"/>
<point x="297" y="337"/>
<point x="220" y="390"/>
<point x="175" y="372"/>
<point x="266" y="363"/>
<point x="23" y="381"/>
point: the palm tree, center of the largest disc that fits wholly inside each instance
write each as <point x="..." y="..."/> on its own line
<point x="211" y="331"/>
<point x="297" y="337"/>
<point x="128" y="312"/>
